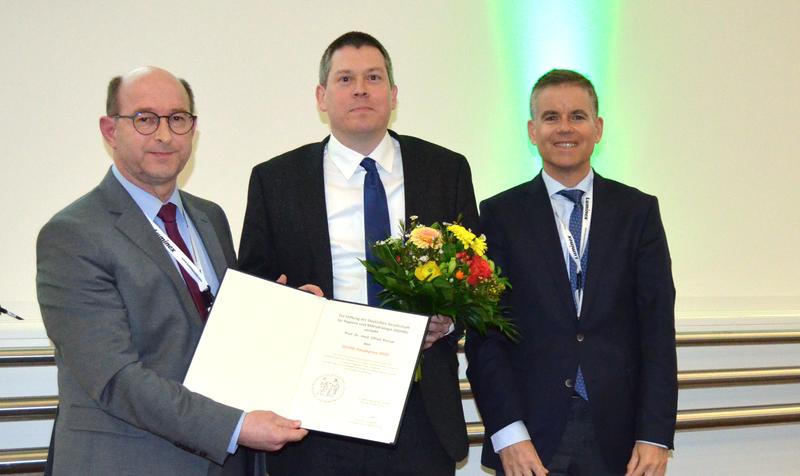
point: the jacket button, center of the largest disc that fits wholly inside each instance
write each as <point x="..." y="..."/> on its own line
<point x="569" y="383"/>
<point x="579" y="337"/>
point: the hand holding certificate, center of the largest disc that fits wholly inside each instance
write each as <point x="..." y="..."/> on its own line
<point x="339" y="367"/>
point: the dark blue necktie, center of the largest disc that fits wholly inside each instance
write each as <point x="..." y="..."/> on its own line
<point x="576" y="281"/>
<point x="376" y="221"/>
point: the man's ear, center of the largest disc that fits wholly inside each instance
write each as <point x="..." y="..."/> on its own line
<point x="598" y="125"/>
<point x="108" y="128"/>
<point x="532" y="132"/>
<point x="320" y="92"/>
<point x="394" y="97"/>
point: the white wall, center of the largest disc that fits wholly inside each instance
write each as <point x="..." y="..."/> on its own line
<point x="701" y="102"/>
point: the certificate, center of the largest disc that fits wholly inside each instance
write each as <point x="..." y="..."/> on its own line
<point x="338" y="367"/>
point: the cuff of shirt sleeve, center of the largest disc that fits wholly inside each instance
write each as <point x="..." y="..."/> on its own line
<point x="510" y="434"/>
<point x="234" y="444"/>
<point x="450" y="329"/>
<point x="654" y="444"/>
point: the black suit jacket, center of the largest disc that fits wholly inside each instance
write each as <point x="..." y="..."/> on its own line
<point x="624" y="340"/>
<point x="286" y="231"/>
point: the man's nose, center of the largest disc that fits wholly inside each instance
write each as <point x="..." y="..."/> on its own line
<point x="163" y="132"/>
<point x="564" y="126"/>
<point x="360" y="87"/>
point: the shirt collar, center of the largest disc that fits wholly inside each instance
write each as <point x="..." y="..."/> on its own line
<point x="348" y="161"/>
<point x="148" y="203"/>
<point x="554" y="186"/>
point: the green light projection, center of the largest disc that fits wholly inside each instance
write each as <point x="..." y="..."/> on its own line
<point x="533" y="37"/>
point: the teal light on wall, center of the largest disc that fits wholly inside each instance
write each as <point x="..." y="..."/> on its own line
<point x="533" y="37"/>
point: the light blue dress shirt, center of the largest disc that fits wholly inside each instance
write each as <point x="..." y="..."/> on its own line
<point x="150" y="205"/>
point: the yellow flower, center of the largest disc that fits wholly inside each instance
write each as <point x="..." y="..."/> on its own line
<point x="464" y="236"/>
<point x="427" y="271"/>
<point x="479" y="245"/>
<point x="426" y="237"/>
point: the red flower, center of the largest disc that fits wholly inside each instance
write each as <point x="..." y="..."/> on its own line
<point x="463" y="256"/>
<point x="479" y="270"/>
<point x="397" y="258"/>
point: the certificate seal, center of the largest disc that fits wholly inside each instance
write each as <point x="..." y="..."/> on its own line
<point x="328" y="388"/>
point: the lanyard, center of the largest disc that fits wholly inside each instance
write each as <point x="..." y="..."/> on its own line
<point x="572" y="249"/>
<point x="183" y="261"/>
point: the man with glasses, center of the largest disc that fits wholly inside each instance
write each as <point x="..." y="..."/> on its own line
<point x="125" y="279"/>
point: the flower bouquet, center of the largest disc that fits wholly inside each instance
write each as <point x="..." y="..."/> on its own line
<point x="441" y="269"/>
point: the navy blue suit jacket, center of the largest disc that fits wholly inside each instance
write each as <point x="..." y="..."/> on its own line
<point x="624" y="341"/>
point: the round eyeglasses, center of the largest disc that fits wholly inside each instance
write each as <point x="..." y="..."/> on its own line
<point x="147" y="123"/>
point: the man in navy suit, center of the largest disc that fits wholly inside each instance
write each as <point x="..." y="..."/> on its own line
<point x="591" y="385"/>
<point x="306" y="217"/>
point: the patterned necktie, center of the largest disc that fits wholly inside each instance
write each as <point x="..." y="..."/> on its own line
<point x="577" y="281"/>
<point x="167" y="215"/>
<point x="376" y="221"/>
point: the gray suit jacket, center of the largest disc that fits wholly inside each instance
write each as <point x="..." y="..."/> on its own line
<point x="125" y="329"/>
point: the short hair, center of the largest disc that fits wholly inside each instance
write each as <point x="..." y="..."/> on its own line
<point x="355" y="39"/>
<point x="557" y="77"/>
<point x="112" y="97"/>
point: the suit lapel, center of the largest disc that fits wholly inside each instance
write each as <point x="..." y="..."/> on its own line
<point x="600" y="239"/>
<point x="207" y="234"/>
<point x="417" y="186"/>
<point x="546" y="240"/>
<point x="132" y="223"/>
<point x="414" y="181"/>
<point x="315" y="215"/>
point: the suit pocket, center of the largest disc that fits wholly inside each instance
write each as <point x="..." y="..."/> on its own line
<point x="94" y="419"/>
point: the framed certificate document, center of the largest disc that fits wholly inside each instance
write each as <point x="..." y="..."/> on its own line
<point x="339" y="367"/>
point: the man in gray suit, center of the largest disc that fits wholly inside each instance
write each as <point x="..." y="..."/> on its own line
<point x="125" y="277"/>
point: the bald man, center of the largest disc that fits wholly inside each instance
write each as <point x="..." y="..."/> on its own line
<point x="126" y="275"/>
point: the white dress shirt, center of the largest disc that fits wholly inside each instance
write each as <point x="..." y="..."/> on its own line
<point x="344" y="200"/>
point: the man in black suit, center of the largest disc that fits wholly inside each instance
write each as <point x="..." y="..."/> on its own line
<point x="306" y="217"/>
<point x="591" y="386"/>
